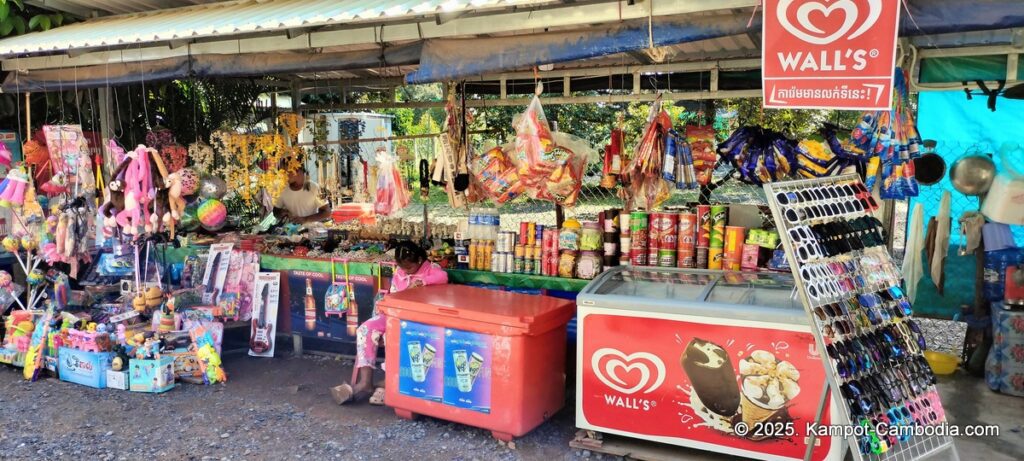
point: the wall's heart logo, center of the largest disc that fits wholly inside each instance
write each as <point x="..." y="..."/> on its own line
<point x="639" y="361"/>
<point x="805" y="28"/>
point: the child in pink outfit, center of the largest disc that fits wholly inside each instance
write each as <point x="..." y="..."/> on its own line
<point x="413" y="271"/>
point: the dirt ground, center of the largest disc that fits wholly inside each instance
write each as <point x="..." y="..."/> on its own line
<point x="280" y="409"/>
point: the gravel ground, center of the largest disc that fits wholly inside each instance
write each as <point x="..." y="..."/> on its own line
<point x="269" y="409"/>
<point x="281" y="409"/>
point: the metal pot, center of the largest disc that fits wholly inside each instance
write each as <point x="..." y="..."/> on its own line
<point x="973" y="174"/>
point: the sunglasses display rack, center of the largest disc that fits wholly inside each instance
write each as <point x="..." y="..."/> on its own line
<point x="851" y="289"/>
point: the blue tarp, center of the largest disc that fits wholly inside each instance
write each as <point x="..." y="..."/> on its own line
<point x="453" y="59"/>
<point x="961" y="127"/>
<point x="447" y="59"/>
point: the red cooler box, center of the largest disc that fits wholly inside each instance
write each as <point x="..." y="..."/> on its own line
<point x="489" y="359"/>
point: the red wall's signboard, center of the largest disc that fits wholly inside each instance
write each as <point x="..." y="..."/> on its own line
<point x="831" y="54"/>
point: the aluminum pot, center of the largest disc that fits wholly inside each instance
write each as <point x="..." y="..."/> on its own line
<point x="973" y="174"/>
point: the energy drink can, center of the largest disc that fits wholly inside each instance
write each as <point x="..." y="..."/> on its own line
<point x="531" y="234"/>
<point x="524" y="229"/>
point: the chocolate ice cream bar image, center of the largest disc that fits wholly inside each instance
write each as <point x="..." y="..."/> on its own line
<point x="712" y="376"/>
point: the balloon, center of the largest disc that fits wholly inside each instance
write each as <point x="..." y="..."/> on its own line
<point x="212" y="187"/>
<point x="189" y="181"/>
<point x="212" y="215"/>
<point x="11" y="244"/>
<point x="189" y="219"/>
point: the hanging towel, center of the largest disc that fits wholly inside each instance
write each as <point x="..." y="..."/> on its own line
<point x="913" y="268"/>
<point x="970" y="228"/>
<point x="941" y="247"/>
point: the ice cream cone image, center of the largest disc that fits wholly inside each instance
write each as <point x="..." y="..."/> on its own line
<point x="712" y="377"/>
<point x="767" y="385"/>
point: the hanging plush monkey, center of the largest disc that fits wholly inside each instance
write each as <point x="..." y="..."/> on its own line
<point x="115" y="193"/>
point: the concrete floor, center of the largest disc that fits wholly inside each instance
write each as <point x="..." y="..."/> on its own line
<point x="968" y="400"/>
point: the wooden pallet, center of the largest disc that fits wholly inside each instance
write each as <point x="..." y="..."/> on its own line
<point x="644" y="450"/>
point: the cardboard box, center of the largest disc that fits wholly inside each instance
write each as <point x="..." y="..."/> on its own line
<point x="155" y="375"/>
<point x="85" y="368"/>
<point x="117" y="380"/>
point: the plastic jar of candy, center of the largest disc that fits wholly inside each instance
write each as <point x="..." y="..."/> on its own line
<point x="567" y="264"/>
<point x="591" y="237"/>
<point x="589" y="265"/>
<point x="569" y="236"/>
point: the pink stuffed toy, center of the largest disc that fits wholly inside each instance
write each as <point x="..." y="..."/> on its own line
<point x="138" y="184"/>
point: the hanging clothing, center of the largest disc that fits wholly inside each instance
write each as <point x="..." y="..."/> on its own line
<point x="940" y="245"/>
<point x="971" y="223"/>
<point x="913" y="268"/>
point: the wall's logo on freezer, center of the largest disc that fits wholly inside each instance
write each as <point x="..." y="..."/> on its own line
<point x="810" y="14"/>
<point x="628" y="374"/>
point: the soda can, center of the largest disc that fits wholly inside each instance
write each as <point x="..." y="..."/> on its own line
<point x="715" y="258"/>
<point x="528" y="266"/>
<point x="667" y="258"/>
<point x="719" y="216"/>
<point x="524" y="229"/>
<point x="701" y="261"/>
<point x="517" y="265"/>
<point x="509" y="262"/>
<point x="550" y="242"/>
<point x="531" y="233"/>
<point x="552" y="263"/>
<point x="704" y="226"/>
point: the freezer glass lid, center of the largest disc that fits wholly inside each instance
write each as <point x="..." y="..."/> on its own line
<point x="735" y="288"/>
<point x="654" y="284"/>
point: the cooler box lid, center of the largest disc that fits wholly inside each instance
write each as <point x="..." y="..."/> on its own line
<point x="488" y="309"/>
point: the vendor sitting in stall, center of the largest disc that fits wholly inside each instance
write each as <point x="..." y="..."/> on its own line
<point x="414" y="270"/>
<point x="300" y="202"/>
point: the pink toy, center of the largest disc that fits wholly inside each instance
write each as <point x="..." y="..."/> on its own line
<point x="121" y="338"/>
<point x="90" y="342"/>
<point x="138" y="185"/>
<point x="5" y="155"/>
<point x="12" y="189"/>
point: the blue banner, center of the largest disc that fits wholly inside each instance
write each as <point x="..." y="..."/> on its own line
<point x="421" y="350"/>
<point x="467" y="370"/>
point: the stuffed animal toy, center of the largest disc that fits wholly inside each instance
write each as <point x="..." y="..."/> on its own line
<point x="175" y="201"/>
<point x="137" y="185"/>
<point x="115" y="193"/>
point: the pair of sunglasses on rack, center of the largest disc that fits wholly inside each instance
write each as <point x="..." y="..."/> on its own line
<point x="882" y="390"/>
<point x="826" y="193"/>
<point x="923" y="410"/>
<point x="869" y="269"/>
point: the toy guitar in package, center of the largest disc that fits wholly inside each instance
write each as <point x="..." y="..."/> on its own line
<point x="261" y="339"/>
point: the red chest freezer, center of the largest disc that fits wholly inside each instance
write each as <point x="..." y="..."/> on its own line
<point x="489" y="359"/>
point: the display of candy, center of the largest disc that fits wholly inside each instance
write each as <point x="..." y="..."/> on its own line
<point x="760" y="155"/>
<point x="702" y="146"/>
<point x="647" y="187"/>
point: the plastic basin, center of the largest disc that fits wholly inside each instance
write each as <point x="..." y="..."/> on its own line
<point x="941" y="362"/>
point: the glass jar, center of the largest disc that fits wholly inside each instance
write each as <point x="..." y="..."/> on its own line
<point x="589" y="265"/>
<point x="567" y="264"/>
<point x="569" y="235"/>
<point x="591" y="237"/>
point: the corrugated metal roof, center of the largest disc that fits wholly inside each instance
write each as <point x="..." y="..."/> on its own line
<point x="235" y="18"/>
<point x="86" y="7"/>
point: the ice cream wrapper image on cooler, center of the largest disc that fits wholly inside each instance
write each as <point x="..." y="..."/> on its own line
<point x="722" y="389"/>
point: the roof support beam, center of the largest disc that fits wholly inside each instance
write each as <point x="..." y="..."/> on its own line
<point x="67" y="8"/>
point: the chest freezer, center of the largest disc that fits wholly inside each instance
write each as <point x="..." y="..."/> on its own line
<point x="712" y="360"/>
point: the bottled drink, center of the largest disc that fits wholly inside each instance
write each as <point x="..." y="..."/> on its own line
<point x="310" y="306"/>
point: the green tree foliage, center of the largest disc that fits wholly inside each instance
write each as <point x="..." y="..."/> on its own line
<point x="17" y="19"/>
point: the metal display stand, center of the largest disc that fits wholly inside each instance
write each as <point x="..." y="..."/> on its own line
<point x="917" y="446"/>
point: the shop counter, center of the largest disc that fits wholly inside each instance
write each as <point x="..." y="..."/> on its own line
<point x="718" y="361"/>
<point x="489" y="359"/>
